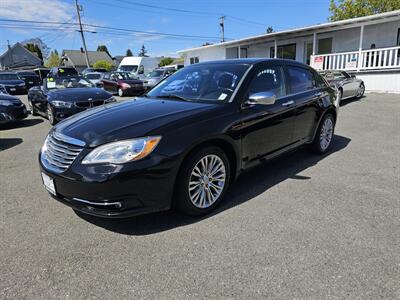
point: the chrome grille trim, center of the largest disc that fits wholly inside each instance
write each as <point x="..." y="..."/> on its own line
<point x="61" y="151"/>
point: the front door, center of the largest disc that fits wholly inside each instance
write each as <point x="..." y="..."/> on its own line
<point x="266" y="129"/>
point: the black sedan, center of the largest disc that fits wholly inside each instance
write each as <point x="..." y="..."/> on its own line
<point x="12" y="83"/>
<point x="122" y="83"/>
<point x="30" y="78"/>
<point x="184" y="143"/>
<point x="347" y="85"/>
<point x="11" y="109"/>
<point x="61" y="97"/>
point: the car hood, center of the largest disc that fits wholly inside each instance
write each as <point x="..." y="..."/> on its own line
<point x="129" y="119"/>
<point x="12" y="82"/>
<point x="9" y="98"/>
<point x="78" y="94"/>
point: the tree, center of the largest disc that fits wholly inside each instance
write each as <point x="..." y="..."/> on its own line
<point x="129" y="52"/>
<point x="41" y="45"/>
<point x="166" y="61"/>
<point x="53" y="60"/>
<point x="103" y="48"/>
<point x="347" y="9"/>
<point x="34" y="49"/>
<point x="103" y="64"/>
<point x="270" y="29"/>
<point x="142" y="52"/>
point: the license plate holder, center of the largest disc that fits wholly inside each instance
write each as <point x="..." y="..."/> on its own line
<point x="49" y="184"/>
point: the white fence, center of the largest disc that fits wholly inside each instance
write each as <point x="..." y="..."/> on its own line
<point x="372" y="59"/>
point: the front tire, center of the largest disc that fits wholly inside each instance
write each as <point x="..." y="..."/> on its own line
<point x="32" y="108"/>
<point x="50" y="115"/>
<point x="120" y="92"/>
<point x="202" y="181"/>
<point x="324" y="136"/>
<point x="360" y="91"/>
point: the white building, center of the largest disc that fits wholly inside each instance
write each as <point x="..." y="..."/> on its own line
<point x="367" y="46"/>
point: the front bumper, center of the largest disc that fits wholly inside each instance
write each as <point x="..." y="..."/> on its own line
<point x="116" y="191"/>
<point x="13" y="113"/>
<point x="134" y="91"/>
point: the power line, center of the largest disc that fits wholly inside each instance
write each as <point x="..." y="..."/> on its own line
<point x="42" y="23"/>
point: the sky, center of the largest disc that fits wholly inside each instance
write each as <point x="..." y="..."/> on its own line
<point x="199" y="18"/>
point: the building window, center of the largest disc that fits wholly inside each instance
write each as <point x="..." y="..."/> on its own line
<point x="308" y="47"/>
<point x="194" y="60"/>
<point x="284" y="51"/>
<point x="398" y="37"/>
<point x="325" y="46"/>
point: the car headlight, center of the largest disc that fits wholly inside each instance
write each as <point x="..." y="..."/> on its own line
<point x="21" y="84"/>
<point x="62" y="104"/>
<point x="122" y="151"/>
<point x="110" y="100"/>
<point x="6" y="103"/>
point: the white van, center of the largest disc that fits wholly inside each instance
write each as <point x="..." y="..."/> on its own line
<point x="139" y="66"/>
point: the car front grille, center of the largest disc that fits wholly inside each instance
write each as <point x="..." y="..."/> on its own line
<point x="88" y="104"/>
<point x="60" y="152"/>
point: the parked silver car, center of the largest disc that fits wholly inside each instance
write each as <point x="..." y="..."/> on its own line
<point x="157" y="75"/>
<point x="94" y="77"/>
<point x="347" y="85"/>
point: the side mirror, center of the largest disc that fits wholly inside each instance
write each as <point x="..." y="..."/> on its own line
<point x="262" y="98"/>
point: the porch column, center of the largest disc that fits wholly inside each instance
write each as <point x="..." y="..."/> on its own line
<point x="276" y="49"/>
<point x="314" y="44"/>
<point x="239" y="52"/>
<point x="360" y="59"/>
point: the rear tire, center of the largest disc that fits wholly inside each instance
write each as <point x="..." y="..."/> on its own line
<point x="339" y="95"/>
<point x="324" y="135"/>
<point x="120" y="92"/>
<point x="202" y="181"/>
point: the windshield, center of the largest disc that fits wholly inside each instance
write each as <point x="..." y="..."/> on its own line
<point x="333" y="75"/>
<point x="9" y="76"/>
<point x="131" y="68"/>
<point x="156" y="73"/>
<point x="93" y="76"/>
<point x="209" y="82"/>
<point x="68" y="82"/>
<point x="122" y="76"/>
<point x="67" y="72"/>
<point x="27" y="74"/>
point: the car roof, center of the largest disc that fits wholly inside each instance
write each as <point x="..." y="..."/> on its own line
<point x="254" y="61"/>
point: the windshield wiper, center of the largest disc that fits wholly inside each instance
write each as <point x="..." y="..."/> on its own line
<point x="173" y="96"/>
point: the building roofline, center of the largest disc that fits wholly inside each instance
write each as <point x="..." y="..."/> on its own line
<point x="22" y="46"/>
<point x="336" y="24"/>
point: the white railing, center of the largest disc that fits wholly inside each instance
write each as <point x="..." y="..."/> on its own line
<point x="371" y="59"/>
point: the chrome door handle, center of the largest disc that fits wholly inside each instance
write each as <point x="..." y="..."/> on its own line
<point x="289" y="103"/>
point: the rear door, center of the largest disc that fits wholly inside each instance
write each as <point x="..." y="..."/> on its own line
<point x="267" y="129"/>
<point x="306" y="93"/>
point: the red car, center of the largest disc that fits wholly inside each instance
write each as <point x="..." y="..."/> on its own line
<point x="122" y="83"/>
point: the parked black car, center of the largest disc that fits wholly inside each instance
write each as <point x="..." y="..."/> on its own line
<point x="12" y="83"/>
<point x="30" y="78"/>
<point x="62" y="72"/>
<point x="61" y="97"/>
<point x="184" y="142"/>
<point x="122" y="83"/>
<point x="11" y="109"/>
<point x="347" y="85"/>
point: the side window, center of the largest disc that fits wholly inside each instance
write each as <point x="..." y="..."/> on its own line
<point x="319" y="80"/>
<point x="300" y="79"/>
<point x="106" y="76"/>
<point x="194" y="60"/>
<point x="268" y="79"/>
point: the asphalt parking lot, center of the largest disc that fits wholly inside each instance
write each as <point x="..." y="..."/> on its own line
<point x="301" y="226"/>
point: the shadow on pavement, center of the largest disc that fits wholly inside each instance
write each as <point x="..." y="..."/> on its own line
<point x="21" y="124"/>
<point x="348" y="101"/>
<point x="255" y="182"/>
<point x="9" y="143"/>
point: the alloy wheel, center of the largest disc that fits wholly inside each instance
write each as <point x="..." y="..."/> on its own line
<point x="50" y="114"/>
<point x="360" y="91"/>
<point x="326" y="134"/>
<point x="207" y="181"/>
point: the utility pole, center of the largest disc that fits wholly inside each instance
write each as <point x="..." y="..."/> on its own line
<point x="78" y="10"/>
<point x="222" y="25"/>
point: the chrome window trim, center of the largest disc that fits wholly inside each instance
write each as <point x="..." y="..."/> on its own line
<point x="117" y="204"/>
